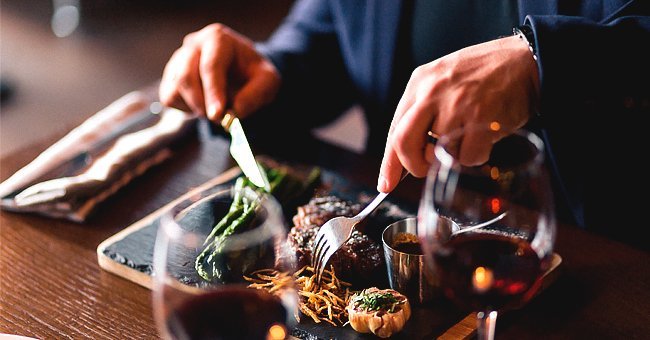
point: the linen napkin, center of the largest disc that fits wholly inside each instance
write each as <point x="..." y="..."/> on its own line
<point x="120" y="142"/>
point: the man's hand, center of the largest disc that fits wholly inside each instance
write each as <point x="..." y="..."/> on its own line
<point x="217" y="68"/>
<point x="494" y="83"/>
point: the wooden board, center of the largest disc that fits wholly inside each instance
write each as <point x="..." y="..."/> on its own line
<point x="129" y="254"/>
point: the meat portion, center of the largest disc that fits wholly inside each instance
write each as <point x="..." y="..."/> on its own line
<point x="301" y="240"/>
<point x="321" y="209"/>
<point x="359" y="259"/>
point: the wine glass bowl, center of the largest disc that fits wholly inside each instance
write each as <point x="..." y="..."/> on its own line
<point x="498" y="264"/>
<point x="200" y="276"/>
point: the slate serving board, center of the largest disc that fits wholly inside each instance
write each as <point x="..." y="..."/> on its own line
<point x="129" y="254"/>
<point x="131" y="250"/>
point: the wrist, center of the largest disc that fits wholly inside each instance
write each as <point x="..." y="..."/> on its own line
<point x="526" y="35"/>
<point x="524" y="38"/>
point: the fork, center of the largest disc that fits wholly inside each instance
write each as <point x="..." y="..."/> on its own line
<point x="336" y="231"/>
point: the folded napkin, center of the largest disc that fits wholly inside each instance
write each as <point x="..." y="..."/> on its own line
<point x="70" y="178"/>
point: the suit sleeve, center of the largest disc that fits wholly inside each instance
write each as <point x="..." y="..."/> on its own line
<point x="590" y="65"/>
<point x="315" y="85"/>
<point x="595" y="88"/>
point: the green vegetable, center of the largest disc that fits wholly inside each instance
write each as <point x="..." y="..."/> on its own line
<point x="288" y="189"/>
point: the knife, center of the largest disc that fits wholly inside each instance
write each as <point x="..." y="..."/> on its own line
<point x="241" y="151"/>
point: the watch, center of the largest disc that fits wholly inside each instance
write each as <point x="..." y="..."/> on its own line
<point x="525" y="33"/>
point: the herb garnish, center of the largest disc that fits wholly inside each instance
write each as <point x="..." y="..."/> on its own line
<point x="376" y="301"/>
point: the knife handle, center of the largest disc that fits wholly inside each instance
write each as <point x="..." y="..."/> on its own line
<point x="227" y="120"/>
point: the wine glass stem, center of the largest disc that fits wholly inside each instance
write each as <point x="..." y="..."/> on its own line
<point x="487" y="322"/>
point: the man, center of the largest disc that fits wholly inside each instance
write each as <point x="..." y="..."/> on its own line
<point x="577" y="73"/>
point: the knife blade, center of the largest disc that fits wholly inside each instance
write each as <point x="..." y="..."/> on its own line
<point x="241" y="151"/>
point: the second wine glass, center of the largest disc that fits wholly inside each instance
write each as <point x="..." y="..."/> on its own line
<point x="501" y="264"/>
<point x="208" y="249"/>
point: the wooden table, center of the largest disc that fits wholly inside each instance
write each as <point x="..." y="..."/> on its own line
<point x="52" y="287"/>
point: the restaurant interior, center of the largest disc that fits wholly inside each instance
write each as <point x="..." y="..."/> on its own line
<point x="114" y="48"/>
<point x="65" y="270"/>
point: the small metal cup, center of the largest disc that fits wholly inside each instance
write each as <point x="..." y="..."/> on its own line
<point x="407" y="273"/>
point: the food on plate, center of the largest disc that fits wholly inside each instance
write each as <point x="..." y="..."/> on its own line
<point x="286" y="186"/>
<point x="359" y="259"/>
<point x="324" y="302"/>
<point x="382" y="312"/>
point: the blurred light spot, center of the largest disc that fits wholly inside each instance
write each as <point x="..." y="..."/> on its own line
<point x="155" y="107"/>
<point x="520" y="251"/>
<point x="495" y="126"/>
<point x="495" y="205"/>
<point x="494" y="172"/>
<point x="65" y="20"/>
<point x="277" y="332"/>
<point x="482" y="279"/>
<point x="517" y="288"/>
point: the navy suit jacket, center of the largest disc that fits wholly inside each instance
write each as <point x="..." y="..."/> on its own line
<point x="594" y="68"/>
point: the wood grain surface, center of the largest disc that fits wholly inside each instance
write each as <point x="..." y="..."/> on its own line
<point x="52" y="286"/>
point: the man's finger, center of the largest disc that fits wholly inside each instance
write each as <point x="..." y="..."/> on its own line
<point x="186" y="79"/>
<point x="411" y="137"/>
<point x="171" y="97"/>
<point x="216" y="59"/>
<point x="258" y="91"/>
<point x="168" y="89"/>
<point x="475" y="147"/>
<point x="390" y="170"/>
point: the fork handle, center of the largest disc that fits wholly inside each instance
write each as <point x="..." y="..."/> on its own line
<point x="372" y="205"/>
<point x="378" y="199"/>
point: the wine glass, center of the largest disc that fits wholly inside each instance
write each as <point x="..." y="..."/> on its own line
<point x="499" y="265"/>
<point x="209" y="250"/>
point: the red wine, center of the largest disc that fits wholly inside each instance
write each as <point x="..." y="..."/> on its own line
<point x="486" y="270"/>
<point x="229" y="313"/>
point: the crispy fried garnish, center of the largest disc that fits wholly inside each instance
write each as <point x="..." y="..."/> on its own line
<point x="324" y="302"/>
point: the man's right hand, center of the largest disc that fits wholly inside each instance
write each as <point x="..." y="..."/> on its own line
<point x="217" y="68"/>
<point x="494" y="84"/>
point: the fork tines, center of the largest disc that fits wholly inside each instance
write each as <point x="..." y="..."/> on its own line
<point x="320" y="254"/>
